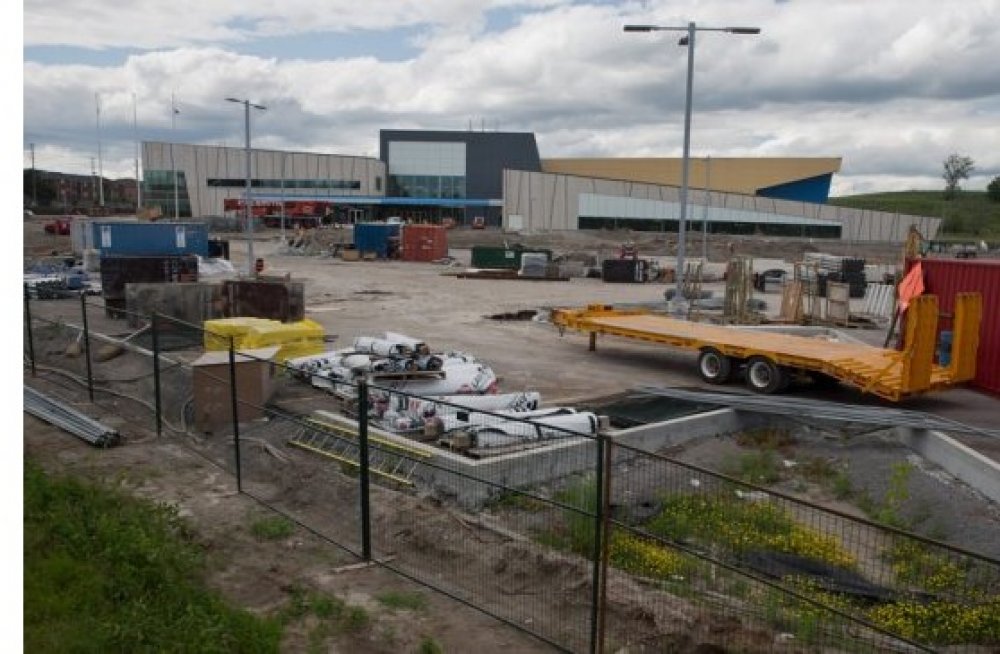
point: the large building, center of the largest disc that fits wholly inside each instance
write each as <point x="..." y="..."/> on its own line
<point x="500" y="179"/>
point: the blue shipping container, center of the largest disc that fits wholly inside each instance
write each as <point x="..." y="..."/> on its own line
<point x="141" y="239"/>
<point x="374" y="237"/>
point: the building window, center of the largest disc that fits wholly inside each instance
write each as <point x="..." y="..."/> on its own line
<point x="727" y="227"/>
<point x="426" y="186"/>
<point x="158" y="191"/>
<point x="326" y="184"/>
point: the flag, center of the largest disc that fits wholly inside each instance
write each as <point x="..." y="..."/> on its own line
<point x="912" y="286"/>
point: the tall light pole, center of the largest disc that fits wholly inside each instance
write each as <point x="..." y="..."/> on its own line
<point x="100" y="163"/>
<point x="135" y="136"/>
<point x="246" y="201"/>
<point x="704" y="216"/>
<point x="680" y="303"/>
<point x="173" y="138"/>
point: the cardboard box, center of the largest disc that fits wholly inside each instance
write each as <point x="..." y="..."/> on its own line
<point x="350" y="254"/>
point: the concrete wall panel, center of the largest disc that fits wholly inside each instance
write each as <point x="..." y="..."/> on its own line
<point x="550" y="202"/>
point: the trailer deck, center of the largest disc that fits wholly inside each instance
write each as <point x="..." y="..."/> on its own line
<point x="772" y="359"/>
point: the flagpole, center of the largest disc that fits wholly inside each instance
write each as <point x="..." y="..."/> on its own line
<point x="135" y="135"/>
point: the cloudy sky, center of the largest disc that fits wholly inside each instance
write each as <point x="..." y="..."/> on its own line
<point x="892" y="86"/>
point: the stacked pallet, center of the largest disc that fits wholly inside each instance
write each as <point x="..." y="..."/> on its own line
<point x="832" y="268"/>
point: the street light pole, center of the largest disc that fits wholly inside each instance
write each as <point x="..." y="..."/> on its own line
<point x="680" y="303"/>
<point x="246" y="201"/>
<point x="680" y="298"/>
<point x="100" y="163"/>
<point x="704" y="216"/>
<point x="173" y="138"/>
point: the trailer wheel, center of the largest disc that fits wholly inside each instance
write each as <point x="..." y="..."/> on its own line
<point x="764" y="376"/>
<point x="714" y="367"/>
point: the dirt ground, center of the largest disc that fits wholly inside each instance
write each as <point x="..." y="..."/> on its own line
<point x="423" y="300"/>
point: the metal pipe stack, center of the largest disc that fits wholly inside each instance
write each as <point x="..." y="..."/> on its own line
<point x="45" y="408"/>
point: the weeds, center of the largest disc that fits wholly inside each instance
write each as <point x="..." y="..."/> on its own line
<point x="272" y="528"/>
<point x="429" y="646"/>
<point x="755" y="467"/>
<point x="766" y="438"/>
<point x="841" y="486"/>
<point x="334" y="615"/>
<point x="105" y="571"/>
<point x="739" y="526"/>
<point x="405" y="601"/>
<point x="514" y="500"/>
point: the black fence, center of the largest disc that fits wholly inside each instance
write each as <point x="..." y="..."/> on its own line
<point x="584" y="542"/>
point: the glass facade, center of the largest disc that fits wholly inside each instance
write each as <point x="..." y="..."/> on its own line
<point x="158" y="190"/>
<point x="426" y="186"/>
<point x="427" y="169"/>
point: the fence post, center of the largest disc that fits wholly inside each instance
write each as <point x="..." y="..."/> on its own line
<point x="366" y="527"/>
<point x="236" y="412"/>
<point x="156" y="373"/>
<point x="27" y="319"/>
<point x="606" y="541"/>
<point x="596" y="638"/>
<point x="86" y="347"/>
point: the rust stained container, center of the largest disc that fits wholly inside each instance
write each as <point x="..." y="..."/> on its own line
<point x="947" y="277"/>
<point x="274" y="300"/>
<point x="424" y="242"/>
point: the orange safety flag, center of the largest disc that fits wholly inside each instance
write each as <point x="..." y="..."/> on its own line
<point x="911" y="286"/>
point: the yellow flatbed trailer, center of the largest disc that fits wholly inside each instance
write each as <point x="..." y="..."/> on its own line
<point x="772" y="359"/>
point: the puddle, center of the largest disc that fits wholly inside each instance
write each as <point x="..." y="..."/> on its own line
<point x="635" y="411"/>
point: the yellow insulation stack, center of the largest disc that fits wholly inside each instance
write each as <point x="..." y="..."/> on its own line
<point x="295" y="339"/>
<point x="218" y="332"/>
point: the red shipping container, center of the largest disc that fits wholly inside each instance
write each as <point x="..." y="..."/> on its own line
<point x="424" y="242"/>
<point x="947" y="277"/>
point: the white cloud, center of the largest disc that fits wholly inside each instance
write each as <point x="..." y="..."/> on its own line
<point x="893" y="86"/>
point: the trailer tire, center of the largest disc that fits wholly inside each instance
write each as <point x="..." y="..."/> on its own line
<point x="714" y="367"/>
<point x="765" y="376"/>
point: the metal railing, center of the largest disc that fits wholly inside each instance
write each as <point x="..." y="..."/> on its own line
<point x="618" y="547"/>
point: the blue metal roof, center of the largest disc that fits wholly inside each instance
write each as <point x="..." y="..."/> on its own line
<point x="378" y="200"/>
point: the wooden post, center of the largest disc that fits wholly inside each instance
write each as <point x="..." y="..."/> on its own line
<point x="593" y="342"/>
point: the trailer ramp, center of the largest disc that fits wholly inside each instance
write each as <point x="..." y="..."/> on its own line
<point x="891" y="374"/>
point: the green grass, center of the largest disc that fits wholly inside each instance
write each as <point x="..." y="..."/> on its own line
<point x="104" y="571"/>
<point x="429" y="646"/>
<point x="272" y="528"/>
<point x="406" y="601"/>
<point x="971" y="213"/>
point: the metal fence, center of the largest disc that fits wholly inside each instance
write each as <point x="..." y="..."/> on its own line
<point x="614" y="547"/>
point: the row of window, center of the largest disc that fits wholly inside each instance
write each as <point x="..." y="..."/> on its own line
<point x="426" y="186"/>
<point x="337" y="184"/>
<point x="764" y="229"/>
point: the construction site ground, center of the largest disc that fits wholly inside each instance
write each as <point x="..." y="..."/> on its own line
<point x="428" y="301"/>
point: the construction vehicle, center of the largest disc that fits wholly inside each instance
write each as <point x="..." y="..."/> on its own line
<point x="770" y="361"/>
